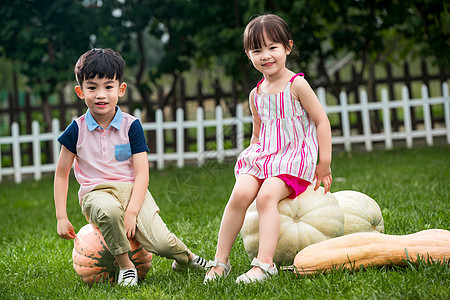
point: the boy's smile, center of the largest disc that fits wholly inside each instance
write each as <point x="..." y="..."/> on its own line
<point x="101" y="96"/>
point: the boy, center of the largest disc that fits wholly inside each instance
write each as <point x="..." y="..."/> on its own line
<point x="111" y="166"/>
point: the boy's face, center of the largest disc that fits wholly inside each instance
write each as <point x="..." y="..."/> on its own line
<point x="101" y="96"/>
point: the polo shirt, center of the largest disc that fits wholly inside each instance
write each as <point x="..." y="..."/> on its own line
<point x="103" y="155"/>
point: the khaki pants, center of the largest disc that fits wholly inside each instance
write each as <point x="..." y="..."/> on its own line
<point x="104" y="207"/>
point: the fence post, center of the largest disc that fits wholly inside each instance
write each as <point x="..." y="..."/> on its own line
<point x="200" y="136"/>
<point x="365" y="120"/>
<point x="239" y="128"/>
<point x="36" y="150"/>
<point x="55" y="143"/>
<point x="386" y="120"/>
<point x="427" y="115"/>
<point x="219" y="134"/>
<point x="407" y="117"/>
<point x="345" y="122"/>
<point x="446" y="97"/>
<point x="321" y="94"/>
<point x="17" y="160"/>
<point x="137" y="113"/>
<point x="391" y="95"/>
<point x="159" y="139"/>
<point x="180" y="137"/>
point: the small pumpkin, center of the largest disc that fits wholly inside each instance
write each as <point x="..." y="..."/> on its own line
<point x="310" y="218"/>
<point x="93" y="262"/>
<point x="365" y="249"/>
<point x="361" y="213"/>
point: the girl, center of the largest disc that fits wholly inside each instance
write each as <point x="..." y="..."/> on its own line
<point x="290" y="129"/>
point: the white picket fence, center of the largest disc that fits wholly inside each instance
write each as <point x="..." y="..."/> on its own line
<point x="202" y="154"/>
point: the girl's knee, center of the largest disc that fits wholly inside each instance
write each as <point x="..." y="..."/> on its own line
<point x="265" y="201"/>
<point x="240" y="199"/>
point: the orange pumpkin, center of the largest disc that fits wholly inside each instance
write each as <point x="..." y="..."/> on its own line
<point x="93" y="262"/>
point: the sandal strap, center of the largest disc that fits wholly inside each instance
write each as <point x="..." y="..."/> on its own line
<point x="216" y="263"/>
<point x="264" y="267"/>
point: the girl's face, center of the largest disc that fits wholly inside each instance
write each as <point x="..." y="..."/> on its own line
<point x="270" y="58"/>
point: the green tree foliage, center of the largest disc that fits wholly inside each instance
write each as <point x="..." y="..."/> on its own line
<point x="426" y="27"/>
<point x="44" y="38"/>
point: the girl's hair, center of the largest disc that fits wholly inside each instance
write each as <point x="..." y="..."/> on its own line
<point x="104" y="63"/>
<point x="275" y="28"/>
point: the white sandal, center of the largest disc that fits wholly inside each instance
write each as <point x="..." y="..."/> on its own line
<point x="266" y="268"/>
<point x="215" y="263"/>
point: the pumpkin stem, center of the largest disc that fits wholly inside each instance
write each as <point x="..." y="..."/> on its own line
<point x="289" y="268"/>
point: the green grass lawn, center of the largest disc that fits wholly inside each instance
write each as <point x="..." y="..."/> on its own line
<point x="410" y="185"/>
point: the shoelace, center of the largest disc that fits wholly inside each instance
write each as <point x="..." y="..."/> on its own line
<point x="128" y="274"/>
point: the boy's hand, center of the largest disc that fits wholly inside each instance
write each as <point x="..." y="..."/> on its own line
<point x="323" y="174"/>
<point x="130" y="224"/>
<point x="65" y="230"/>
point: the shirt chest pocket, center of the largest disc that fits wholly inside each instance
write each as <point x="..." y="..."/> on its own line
<point x="122" y="152"/>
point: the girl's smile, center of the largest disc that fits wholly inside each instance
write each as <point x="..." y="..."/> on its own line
<point x="269" y="64"/>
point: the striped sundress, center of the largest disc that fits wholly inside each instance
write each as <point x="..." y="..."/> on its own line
<point x="287" y="139"/>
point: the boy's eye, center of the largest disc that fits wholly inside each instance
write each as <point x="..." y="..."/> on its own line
<point x="91" y="88"/>
<point x="108" y="87"/>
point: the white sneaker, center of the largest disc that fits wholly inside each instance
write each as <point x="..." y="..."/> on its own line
<point x="128" y="277"/>
<point x="197" y="262"/>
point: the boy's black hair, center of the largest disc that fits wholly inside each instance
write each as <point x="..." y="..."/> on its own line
<point x="103" y="63"/>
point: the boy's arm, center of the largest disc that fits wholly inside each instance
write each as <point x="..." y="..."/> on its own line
<point x="61" y="186"/>
<point x="140" y="164"/>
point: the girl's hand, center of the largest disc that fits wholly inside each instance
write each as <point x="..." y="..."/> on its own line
<point x="65" y="230"/>
<point x="130" y="224"/>
<point x="323" y="174"/>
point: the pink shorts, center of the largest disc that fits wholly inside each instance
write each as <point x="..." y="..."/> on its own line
<point x="298" y="185"/>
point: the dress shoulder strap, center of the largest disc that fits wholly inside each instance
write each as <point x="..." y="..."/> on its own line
<point x="290" y="81"/>
<point x="259" y="83"/>
<point x="298" y="74"/>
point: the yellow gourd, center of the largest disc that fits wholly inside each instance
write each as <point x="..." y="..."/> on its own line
<point x="373" y="249"/>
